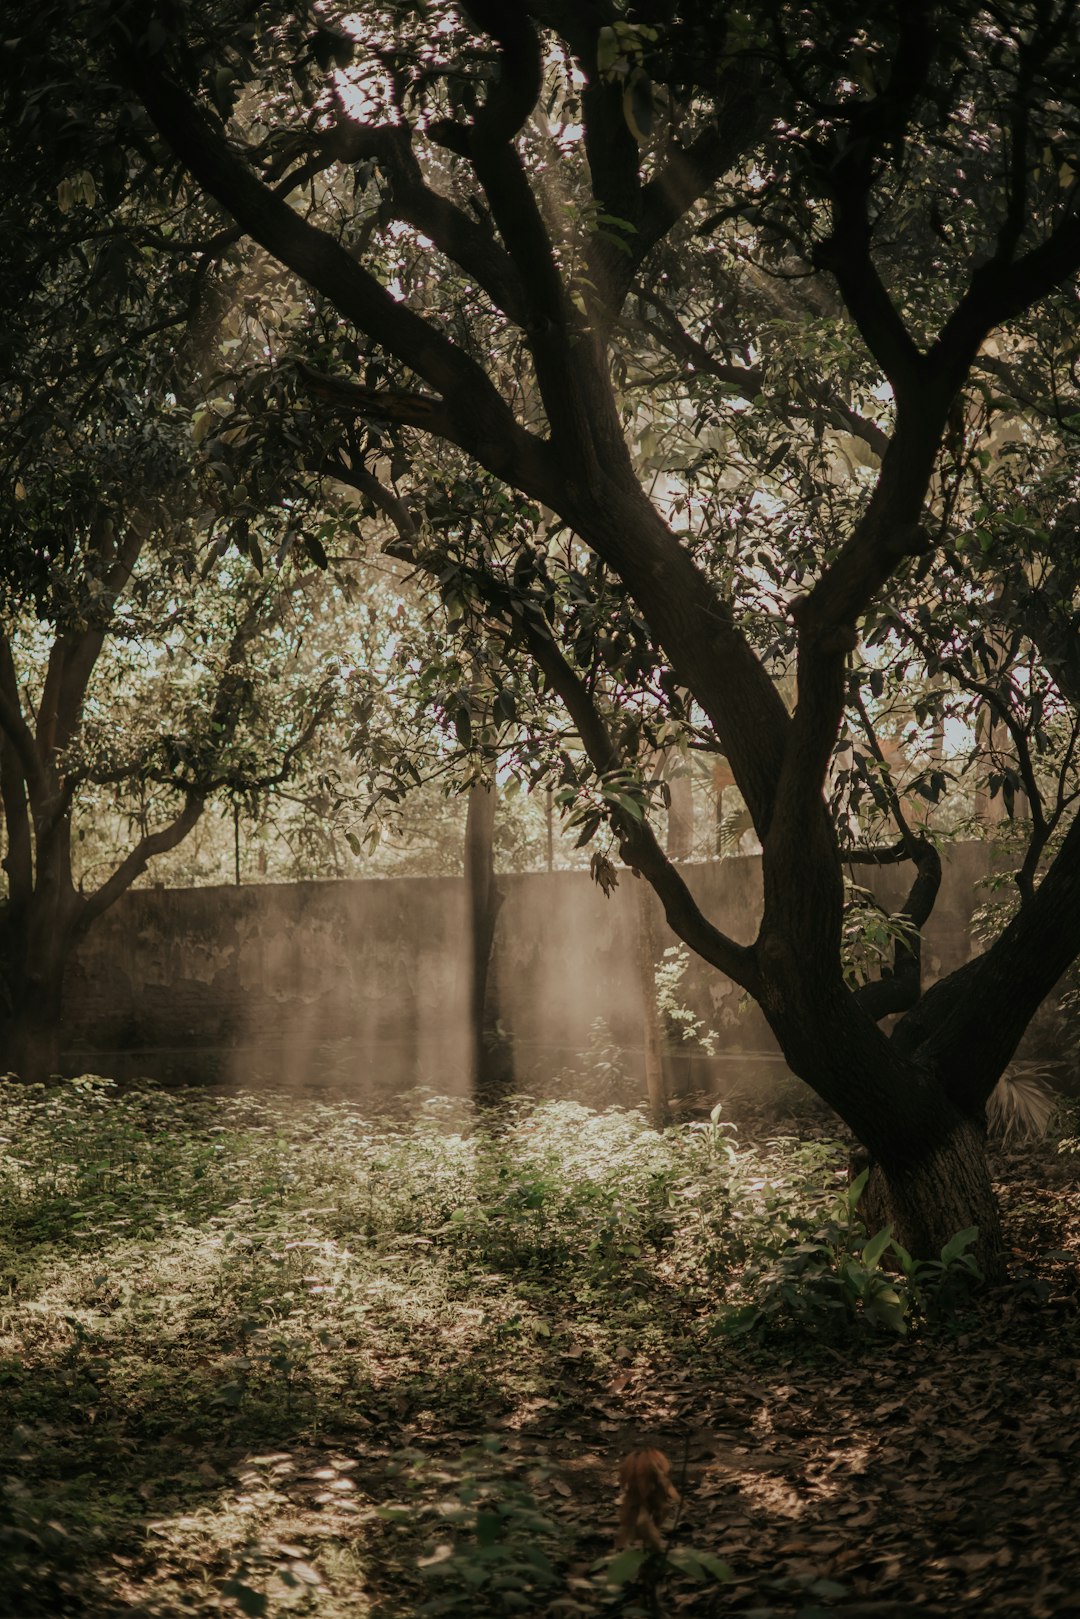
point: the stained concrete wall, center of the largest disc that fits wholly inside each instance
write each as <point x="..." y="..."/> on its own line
<point x="363" y="984"/>
<point x="229" y="983"/>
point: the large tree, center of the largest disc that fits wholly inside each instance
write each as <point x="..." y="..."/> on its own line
<point x="899" y="184"/>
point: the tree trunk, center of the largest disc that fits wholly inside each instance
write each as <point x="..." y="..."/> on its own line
<point x="680" y="816"/>
<point x="942" y="1192"/>
<point x="30" y="1024"/>
<point x="32" y="1040"/>
<point x="655" y="1086"/>
<point x="492" y="1056"/>
<point x="931" y="1154"/>
<point x="36" y="941"/>
<point x="947" y="1190"/>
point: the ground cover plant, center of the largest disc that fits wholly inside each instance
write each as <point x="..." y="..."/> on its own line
<point x="263" y="1358"/>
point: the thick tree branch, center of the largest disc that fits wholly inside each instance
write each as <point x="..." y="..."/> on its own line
<point x="638" y="844"/>
<point x="135" y="863"/>
<point x="892" y="854"/>
<point x="465" y="241"/>
<point x="874" y="128"/>
<point x="15" y="727"/>
<point x="740" y="118"/>
<point x="510" y="99"/>
<point x="846" y="253"/>
<point x="997" y="293"/>
<point x="637" y="841"/>
<point x="610" y="149"/>
<point x="826" y="621"/>
<point x="358" y="477"/>
<point x="425" y="411"/>
<point x="969" y="1024"/>
<point x="484" y="423"/>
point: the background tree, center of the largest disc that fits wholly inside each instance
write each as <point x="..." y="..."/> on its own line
<point x="142" y="671"/>
<point x="134" y="696"/>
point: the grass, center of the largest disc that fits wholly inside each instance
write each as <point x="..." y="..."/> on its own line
<point x="264" y="1358"/>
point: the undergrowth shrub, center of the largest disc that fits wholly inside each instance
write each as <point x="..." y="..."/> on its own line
<point x="538" y="1190"/>
<point x="838" y="1280"/>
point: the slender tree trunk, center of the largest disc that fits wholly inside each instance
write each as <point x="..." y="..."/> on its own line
<point x="655" y="1081"/>
<point x="492" y="1057"/>
<point x="680" y="816"/>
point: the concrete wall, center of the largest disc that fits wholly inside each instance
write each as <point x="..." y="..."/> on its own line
<point x="362" y="984"/>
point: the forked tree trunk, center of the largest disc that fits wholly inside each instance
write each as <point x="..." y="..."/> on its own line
<point x="932" y="1178"/>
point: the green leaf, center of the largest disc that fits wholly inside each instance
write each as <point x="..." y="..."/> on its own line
<point x="874" y="1249"/>
<point x="775" y="459"/>
<point x="624" y="1566"/>
<point x="315" y="550"/>
<point x="959" y="1244"/>
<point x="700" y="1566"/>
<point x="589" y="828"/>
<point x="463" y="725"/>
<point x="907" y="1263"/>
<point x="632" y="806"/>
<point x="857" y="1188"/>
<point x="886" y="1307"/>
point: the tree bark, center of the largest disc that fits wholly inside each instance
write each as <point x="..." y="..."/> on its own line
<point x="943" y="1192"/>
<point x="492" y="1058"/>
<point x="655" y="1086"/>
<point x="32" y="992"/>
<point x="30" y="1033"/>
<point x="930" y="1153"/>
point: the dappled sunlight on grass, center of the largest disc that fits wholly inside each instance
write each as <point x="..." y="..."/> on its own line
<point x="219" y="1305"/>
<point x="258" y="1357"/>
